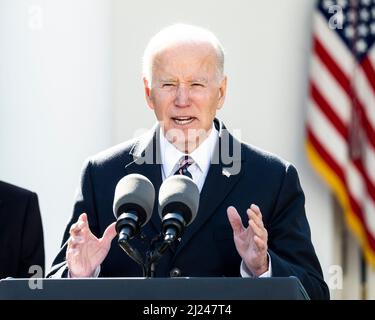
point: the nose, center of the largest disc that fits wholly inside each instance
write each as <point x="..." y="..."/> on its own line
<point x="182" y="96"/>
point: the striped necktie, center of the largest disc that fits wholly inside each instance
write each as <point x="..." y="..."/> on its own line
<point x="183" y="166"/>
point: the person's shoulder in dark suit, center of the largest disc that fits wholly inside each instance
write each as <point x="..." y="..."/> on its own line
<point x="289" y="244"/>
<point x="21" y="232"/>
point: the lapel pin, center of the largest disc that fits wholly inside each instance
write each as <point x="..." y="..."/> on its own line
<point x="226" y="173"/>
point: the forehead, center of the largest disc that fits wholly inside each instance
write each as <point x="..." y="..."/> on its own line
<point x="188" y="60"/>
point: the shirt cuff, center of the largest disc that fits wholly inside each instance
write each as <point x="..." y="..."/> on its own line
<point x="245" y="272"/>
<point x="94" y="275"/>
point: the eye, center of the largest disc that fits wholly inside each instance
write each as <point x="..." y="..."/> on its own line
<point x="168" y="85"/>
<point x="197" y="84"/>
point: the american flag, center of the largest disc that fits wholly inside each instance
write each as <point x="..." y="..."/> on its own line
<point x="340" y="126"/>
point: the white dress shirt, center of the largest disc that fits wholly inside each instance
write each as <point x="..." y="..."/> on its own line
<point x="171" y="156"/>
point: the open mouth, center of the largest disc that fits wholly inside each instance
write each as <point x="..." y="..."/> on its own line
<point x="181" y="121"/>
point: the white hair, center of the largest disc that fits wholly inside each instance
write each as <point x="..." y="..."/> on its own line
<point x="181" y="34"/>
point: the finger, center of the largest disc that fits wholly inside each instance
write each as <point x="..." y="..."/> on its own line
<point x="76" y="229"/>
<point x="82" y="222"/>
<point x="73" y="228"/>
<point x="253" y="216"/>
<point x="79" y="225"/>
<point x="234" y="220"/>
<point x="83" y="217"/>
<point x="256" y="209"/>
<point x="258" y="231"/>
<point x="109" y="233"/>
<point x="260" y="243"/>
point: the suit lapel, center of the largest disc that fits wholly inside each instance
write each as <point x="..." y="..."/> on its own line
<point x="220" y="180"/>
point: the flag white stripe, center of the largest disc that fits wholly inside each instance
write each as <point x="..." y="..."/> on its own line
<point x="355" y="183"/>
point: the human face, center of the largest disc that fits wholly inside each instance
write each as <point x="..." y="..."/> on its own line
<point x="185" y="93"/>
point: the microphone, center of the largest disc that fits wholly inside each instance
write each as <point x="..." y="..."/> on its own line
<point x="178" y="205"/>
<point x="132" y="205"/>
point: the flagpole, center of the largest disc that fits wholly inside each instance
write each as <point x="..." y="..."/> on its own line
<point x="341" y="231"/>
<point x="363" y="276"/>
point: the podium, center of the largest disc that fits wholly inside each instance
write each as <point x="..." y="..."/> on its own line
<point x="288" y="288"/>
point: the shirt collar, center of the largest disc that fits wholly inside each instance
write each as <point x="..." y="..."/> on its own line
<point x="170" y="155"/>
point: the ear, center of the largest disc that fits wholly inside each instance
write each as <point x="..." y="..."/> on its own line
<point x="147" y="89"/>
<point x="222" y="92"/>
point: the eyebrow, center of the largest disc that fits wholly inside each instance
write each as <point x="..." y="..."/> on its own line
<point x="167" y="80"/>
<point x="190" y="81"/>
<point x="199" y="80"/>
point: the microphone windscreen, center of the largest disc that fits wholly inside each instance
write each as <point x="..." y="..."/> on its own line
<point x="179" y="193"/>
<point x="134" y="192"/>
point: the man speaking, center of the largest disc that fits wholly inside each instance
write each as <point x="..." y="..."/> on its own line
<point x="251" y="220"/>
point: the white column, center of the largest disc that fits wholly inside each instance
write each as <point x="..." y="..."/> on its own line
<point x="55" y="99"/>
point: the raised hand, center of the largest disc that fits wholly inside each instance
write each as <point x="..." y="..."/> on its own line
<point x="85" y="252"/>
<point x="251" y="242"/>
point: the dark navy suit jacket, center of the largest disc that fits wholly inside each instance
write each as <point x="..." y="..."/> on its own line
<point x="21" y="232"/>
<point x="207" y="248"/>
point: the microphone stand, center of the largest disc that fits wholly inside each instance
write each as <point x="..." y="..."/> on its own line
<point x="134" y="254"/>
<point x="155" y="253"/>
<point x="153" y="257"/>
<point x="173" y="229"/>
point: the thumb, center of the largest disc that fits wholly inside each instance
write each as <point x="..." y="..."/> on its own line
<point x="234" y="220"/>
<point x="109" y="234"/>
<point x="83" y="218"/>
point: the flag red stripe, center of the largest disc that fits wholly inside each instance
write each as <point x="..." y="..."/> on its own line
<point x="332" y="66"/>
<point x="369" y="71"/>
<point x="325" y="107"/>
